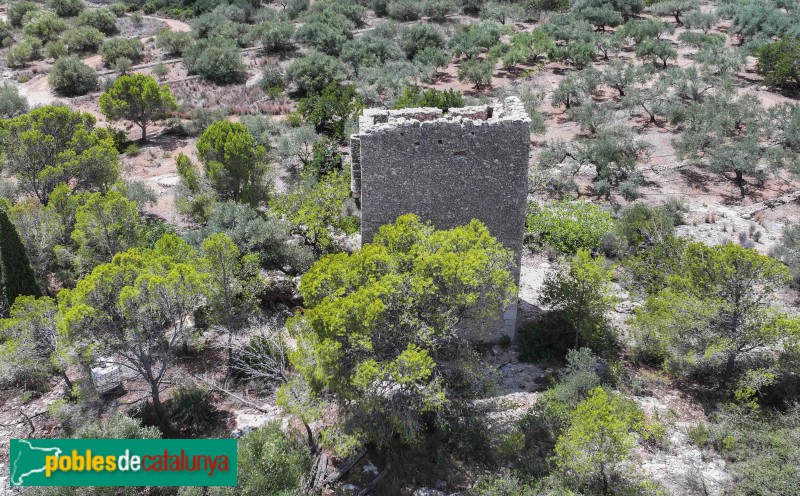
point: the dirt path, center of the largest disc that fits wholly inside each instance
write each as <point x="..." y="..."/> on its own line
<point x="38" y="91"/>
<point x="173" y="24"/>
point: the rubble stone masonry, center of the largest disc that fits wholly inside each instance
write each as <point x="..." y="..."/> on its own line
<point x="448" y="168"/>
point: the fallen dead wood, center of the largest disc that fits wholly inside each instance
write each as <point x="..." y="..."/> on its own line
<point x="750" y="210"/>
<point x="232" y="395"/>
<point x="346" y="466"/>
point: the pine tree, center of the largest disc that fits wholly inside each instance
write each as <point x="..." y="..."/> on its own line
<point x="17" y="275"/>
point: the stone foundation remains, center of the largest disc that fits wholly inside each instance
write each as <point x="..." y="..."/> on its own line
<point x="448" y="168"/>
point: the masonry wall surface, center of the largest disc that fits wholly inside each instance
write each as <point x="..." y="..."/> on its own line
<point x="471" y="163"/>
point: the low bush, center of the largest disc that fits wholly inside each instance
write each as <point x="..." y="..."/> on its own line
<point x="18" y="10"/>
<point x="315" y="71"/>
<point x="66" y="8"/>
<point x="271" y="462"/>
<point x="568" y="226"/>
<point x="641" y="225"/>
<point x="121" y="48"/>
<point x="84" y="39"/>
<point x="174" y="43"/>
<point x="71" y="77"/>
<point x="779" y="62"/>
<point x="100" y="18"/>
<point x="6" y="34"/>
<point x="417" y="37"/>
<point x="55" y="49"/>
<point x="763" y="450"/>
<point x="276" y="36"/>
<point x="221" y="64"/>
<point x="787" y="250"/>
<point x="19" y="55"/>
<point x="11" y="103"/>
<point x="192" y="412"/>
<point x="414" y="96"/>
<point x="44" y="25"/>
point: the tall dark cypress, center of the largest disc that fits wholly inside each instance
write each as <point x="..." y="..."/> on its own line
<point x="17" y="275"/>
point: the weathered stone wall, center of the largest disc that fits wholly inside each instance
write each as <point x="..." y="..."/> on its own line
<point x="471" y="163"/>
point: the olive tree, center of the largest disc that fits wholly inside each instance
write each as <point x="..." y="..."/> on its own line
<point x="675" y="8"/>
<point x="728" y="137"/>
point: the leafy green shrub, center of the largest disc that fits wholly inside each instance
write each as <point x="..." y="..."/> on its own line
<point x="330" y="110"/>
<point x="11" y="103"/>
<point x="295" y="7"/>
<point x="119" y="8"/>
<point x="715" y="321"/>
<point x="121" y="48"/>
<point x="215" y="25"/>
<point x="84" y="39"/>
<point x="55" y="49"/>
<point x="568" y="226"/>
<point x="235" y="166"/>
<point x="315" y="71"/>
<point x="6" y="34"/>
<point x="763" y="450"/>
<point x="20" y="54"/>
<point x="221" y="64"/>
<point x="323" y="34"/>
<point x="100" y="18"/>
<point x="476" y="71"/>
<point x="472" y="39"/>
<point x="18" y="10"/>
<point x="788" y="251"/>
<point x="325" y="158"/>
<point x="255" y="233"/>
<point x="403" y="10"/>
<point x="174" y="43"/>
<point x="193" y="413"/>
<point x="66" y="8"/>
<point x="417" y="37"/>
<point x="372" y="50"/>
<point x="43" y="24"/>
<point x="648" y="270"/>
<point x="71" y="77"/>
<point x="271" y="462"/>
<point x="119" y="426"/>
<point x="414" y="96"/>
<point x="594" y="449"/>
<point x="779" y="62"/>
<point x="272" y="81"/>
<point x="640" y="225"/>
<point x="276" y="36"/>
<point x="503" y="483"/>
<point x="132" y="150"/>
<point x="581" y="293"/>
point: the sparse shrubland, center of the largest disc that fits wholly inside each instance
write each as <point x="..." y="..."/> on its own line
<point x="218" y="260"/>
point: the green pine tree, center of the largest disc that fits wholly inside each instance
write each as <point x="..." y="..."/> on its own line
<point x="17" y="275"/>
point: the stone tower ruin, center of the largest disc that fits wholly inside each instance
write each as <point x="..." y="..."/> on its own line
<point x="448" y="168"/>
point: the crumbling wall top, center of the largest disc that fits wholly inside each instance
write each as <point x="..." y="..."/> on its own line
<point x="376" y="120"/>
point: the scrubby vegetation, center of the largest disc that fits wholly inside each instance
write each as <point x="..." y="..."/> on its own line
<point x="175" y="201"/>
